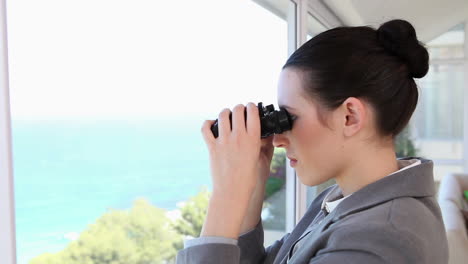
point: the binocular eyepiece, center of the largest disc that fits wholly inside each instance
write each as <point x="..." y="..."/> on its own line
<point x="271" y="121"/>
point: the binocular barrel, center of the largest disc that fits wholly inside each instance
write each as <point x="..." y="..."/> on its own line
<point x="271" y="121"/>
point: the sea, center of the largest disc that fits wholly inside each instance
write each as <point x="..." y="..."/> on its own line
<point x="67" y="173"/>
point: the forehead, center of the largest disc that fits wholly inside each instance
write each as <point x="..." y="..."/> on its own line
<point x="290" y="88"/>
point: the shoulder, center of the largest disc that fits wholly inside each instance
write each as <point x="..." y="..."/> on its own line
<point x="400" y="212"/>
<point x="416" y="213"/>
<point x="403" y="230"/>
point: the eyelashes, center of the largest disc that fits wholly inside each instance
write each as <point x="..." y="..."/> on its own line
<point x="293" y="117"/>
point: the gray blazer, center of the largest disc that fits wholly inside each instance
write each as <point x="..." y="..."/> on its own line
<point x="394" y="220"/>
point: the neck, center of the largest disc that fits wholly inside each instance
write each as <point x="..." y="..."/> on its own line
<point x="367" y="167"/>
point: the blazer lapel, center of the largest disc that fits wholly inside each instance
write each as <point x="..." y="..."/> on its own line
<point x="303" y="224"/>
<point x="309" y="238"/>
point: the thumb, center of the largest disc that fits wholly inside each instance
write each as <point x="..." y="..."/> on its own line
<point x="266" y="142"/>
<point x="267" y="146"/>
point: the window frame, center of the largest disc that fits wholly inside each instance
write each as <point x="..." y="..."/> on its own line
<point x="323" y="20"/>
<point x="465" y="100"/>
<point x="7" y="206"/>
<point x="291" y="180"/>
<point x="299" y="192"/>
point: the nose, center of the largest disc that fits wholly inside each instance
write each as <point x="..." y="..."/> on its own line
<point x="280" y="141"/>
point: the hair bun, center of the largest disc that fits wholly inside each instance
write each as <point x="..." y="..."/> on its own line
<point x="399" y="38"/>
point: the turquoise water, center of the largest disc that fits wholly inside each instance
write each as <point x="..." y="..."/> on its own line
<point x="68" y="173"/>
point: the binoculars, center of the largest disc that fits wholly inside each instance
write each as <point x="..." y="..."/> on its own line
<point x="271" y="121"/>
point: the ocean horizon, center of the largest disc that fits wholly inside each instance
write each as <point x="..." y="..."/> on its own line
<point x="69" y="173"/>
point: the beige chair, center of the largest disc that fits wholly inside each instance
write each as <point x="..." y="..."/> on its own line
<point x="451" y="202"/>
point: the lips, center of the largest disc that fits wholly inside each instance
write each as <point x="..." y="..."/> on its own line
<point x="293" y="161"/>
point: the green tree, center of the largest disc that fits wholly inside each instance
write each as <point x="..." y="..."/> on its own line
<point x="278" y="160"/>
<point x="193" y="214"/>
<point x="141" y="235"/>
<point x="277" y="172"/>
<point x="144" y="234"/>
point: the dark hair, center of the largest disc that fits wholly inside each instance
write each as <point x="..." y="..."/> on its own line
<point x="377" y="66"/>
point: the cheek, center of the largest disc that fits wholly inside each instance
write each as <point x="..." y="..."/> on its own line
<point x="312" y="139"/>
<point x="317" y="149"/>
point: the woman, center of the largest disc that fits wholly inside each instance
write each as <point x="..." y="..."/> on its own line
<point x="350" y="91"/>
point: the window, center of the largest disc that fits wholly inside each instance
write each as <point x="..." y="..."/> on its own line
<point x="449" y="45"/>
<point x="437" y="124"/>
<point x="107" y="101"/>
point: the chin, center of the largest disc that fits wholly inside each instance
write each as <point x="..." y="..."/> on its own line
<point x="311" y="180"/>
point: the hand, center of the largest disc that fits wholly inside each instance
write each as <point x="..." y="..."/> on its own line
<point x="238" y="161"/>
<point x="264" y="161"/>
<point x="255" y="206"/>
<point x="235" y="154"/>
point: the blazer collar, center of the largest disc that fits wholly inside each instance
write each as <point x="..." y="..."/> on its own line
<point x="416" y="181"/>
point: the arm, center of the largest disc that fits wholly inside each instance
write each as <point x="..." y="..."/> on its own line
<point x="248" y="249"/>
<point x="250" y="241"/>
<point x="252" y="249"/>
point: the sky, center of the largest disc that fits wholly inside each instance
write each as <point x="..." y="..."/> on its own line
<point x="112" y="59"/>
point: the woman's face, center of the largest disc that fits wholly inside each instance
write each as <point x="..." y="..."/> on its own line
<point x="315" y="147"/>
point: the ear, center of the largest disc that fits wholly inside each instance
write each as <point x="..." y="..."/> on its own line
<point x="355" y="116"/>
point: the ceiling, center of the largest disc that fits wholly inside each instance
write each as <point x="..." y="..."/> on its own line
<point x="431" y="18"/>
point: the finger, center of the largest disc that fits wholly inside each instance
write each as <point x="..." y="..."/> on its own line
<point x="238" y="119"/>
<point x="207" y="133"/>
<point x="253" y="120"/>
<point x="224" y="124"/>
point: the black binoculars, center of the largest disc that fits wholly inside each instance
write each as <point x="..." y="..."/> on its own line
<point x="271" y="121"/>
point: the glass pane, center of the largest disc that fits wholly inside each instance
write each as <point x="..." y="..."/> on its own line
<point x="436" y="128"/>
<point x="274" y="205"/>
<point x="438" y="120"/>
<point x="448" y="45"/>
<point x="439" y="114"/>
<point x="442" y="170"/>
<point x="108" y="98"/>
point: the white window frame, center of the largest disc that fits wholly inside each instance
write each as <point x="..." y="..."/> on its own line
<point x="465" y="102"/>
<point x="290" y="173"/>
<point x="299" y="192"/>
<point x="7" y="205"/>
